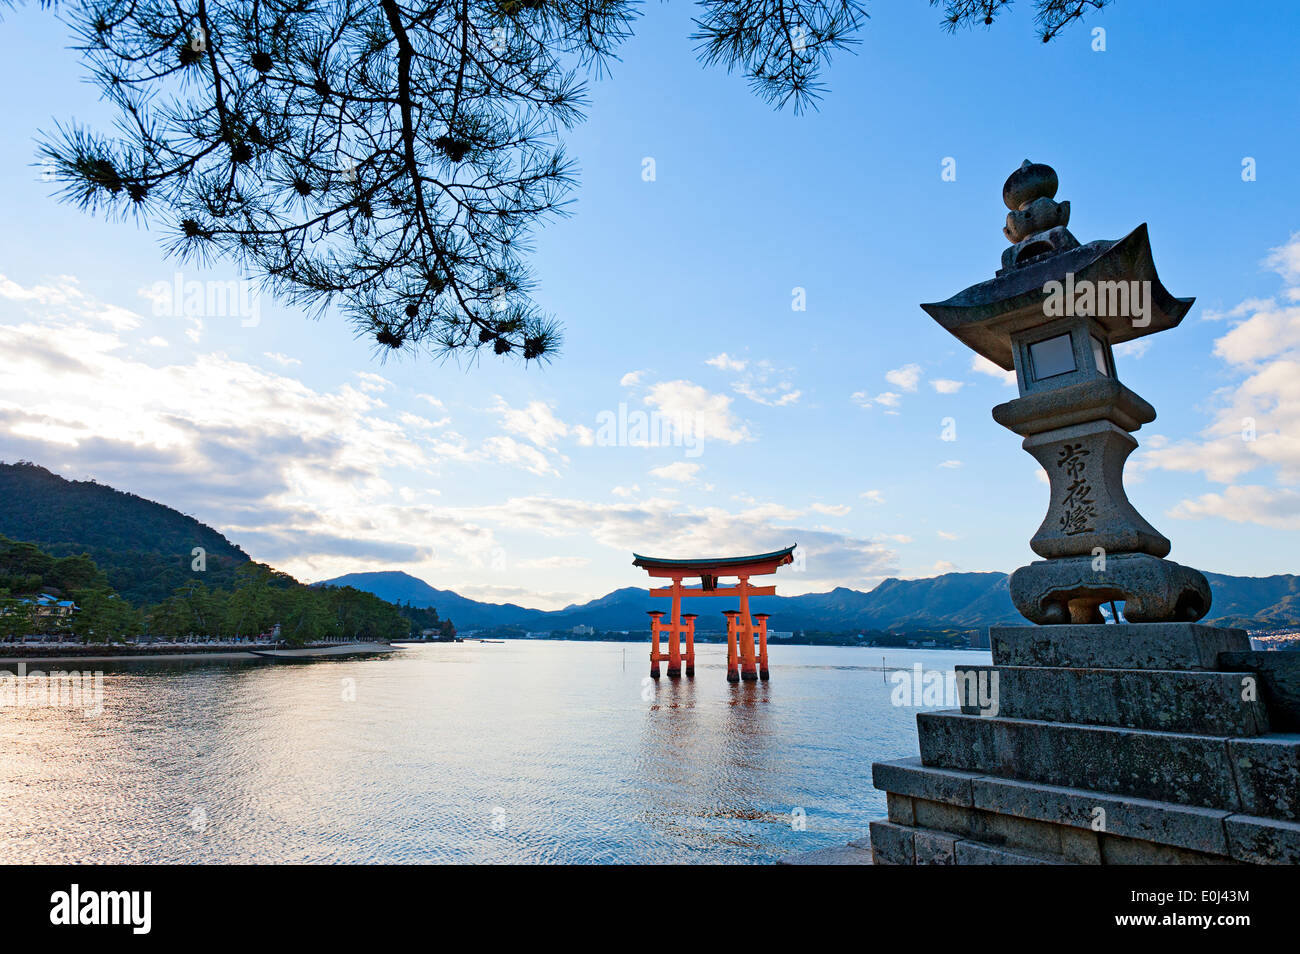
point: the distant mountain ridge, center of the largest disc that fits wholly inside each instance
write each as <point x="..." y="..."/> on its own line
<point x="145" y="548"/>
<point x="396" y="586"/>
<point x="948" y="601"/>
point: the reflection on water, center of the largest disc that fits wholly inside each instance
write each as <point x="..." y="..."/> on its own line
<point x="514" y="752"/>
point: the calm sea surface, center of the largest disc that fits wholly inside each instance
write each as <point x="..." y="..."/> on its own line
<point x="516" y="752"/>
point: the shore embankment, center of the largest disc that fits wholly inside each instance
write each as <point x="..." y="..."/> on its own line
<point x="18" y="652"/>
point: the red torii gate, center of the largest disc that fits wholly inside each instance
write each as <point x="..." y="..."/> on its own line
<point x="740" y="625"/>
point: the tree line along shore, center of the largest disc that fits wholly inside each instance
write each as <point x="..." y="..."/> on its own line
<point x="69" y="599"/>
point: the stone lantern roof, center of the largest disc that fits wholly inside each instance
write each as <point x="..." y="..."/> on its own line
<point x="986" y="315"/>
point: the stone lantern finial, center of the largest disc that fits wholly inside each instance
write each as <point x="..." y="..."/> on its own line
<point x="1036" y="224"/>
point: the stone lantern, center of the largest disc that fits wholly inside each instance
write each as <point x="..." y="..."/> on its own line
<point x="1053" y="312"/>
<point x="1158" y="740"/>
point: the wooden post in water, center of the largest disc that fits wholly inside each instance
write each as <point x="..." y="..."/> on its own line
<point x="732" y="674"/>
<point x="748" y="664"/>
<point x="674" y="634"/>
<point x="690" y="642"/>
<point x="763" y="672"/>
<point x="655" y="616"/>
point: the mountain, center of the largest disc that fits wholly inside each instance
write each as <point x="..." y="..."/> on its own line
<point x="949" y="601"/>
<point x="397" y="587"/>
<point x="143" y="547"/>
<point x="1256" y="601"/>
<point x="960" y="600"/>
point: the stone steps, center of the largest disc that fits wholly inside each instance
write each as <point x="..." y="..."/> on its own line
<point x="1257" y="776"/>
<point x="1170" y="700"/>
<point x="1077" y="825"/>
<point x="894" y="844"/>
<point x="1103" y="744"/>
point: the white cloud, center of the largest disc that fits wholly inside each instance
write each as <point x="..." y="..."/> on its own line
<point x="724" y="362"/>
<point x="536" y="422"/>
<point x="905" y="378"/>
<point x="872" y="496"/>
<point x="421" y="423"/>
<point x="778" y="394"/>
<point x="1240" y="310"/>
<point x="1256" y="421"/>
<point x="298" y="476"/>
<point x="1132" y="349"/>
<point x="372" y="383"/>
<point x="507" y="450"/>
<point x="631" y="379"/>
<point x="1268" y="506"/>
<point x="761" y="381"/>
<point x="886" y="399"/>
<point x="1285" y="260"/>
<point x="701" y="412"/>
<point x="682" y="471"/>
<point x="833" y="559"/>
<point x="1270" y="331"/>
<point x="948" y="536"/>
<point x="621" y="491"/>
<point x="946" y="385"/>
<point x="555" y="563"/>
<point x="281" y="359"/>
<point x="64" y="299"/>
<point x="983" y="365"/>
<point x="951" y="464"/>
<point x="834" y="510"/>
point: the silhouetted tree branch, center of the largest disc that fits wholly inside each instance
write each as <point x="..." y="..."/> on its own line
<point x="392" y="157"/>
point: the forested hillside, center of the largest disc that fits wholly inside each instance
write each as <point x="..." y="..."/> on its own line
<point x="143" y="547"/>
<point x="128" y="565"/>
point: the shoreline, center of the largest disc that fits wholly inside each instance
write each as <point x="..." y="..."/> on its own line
<point x="220" y="654"/>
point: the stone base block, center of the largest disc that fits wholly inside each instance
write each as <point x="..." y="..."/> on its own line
<point x="1280" y="673"/>
<point x="1263" y="841"/>
<point x="975" y="853"/>
<point x="1120" y="646"/>
<point x="1170" y="700"/>
<point x="1167" y="766"/>
<point x="1267" y="769"/>
<point x="892" y="844"/>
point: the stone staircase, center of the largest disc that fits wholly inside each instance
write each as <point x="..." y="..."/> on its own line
<point x="1142" y="743"/>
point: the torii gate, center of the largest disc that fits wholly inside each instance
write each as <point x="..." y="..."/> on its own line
<point x="740" y="626"/>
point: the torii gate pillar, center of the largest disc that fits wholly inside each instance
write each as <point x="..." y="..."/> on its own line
<point x="690" y="641"/>
<point x="762" y="619"/>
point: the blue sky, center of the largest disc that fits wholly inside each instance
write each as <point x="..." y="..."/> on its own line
<point x="821" y="427"/>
